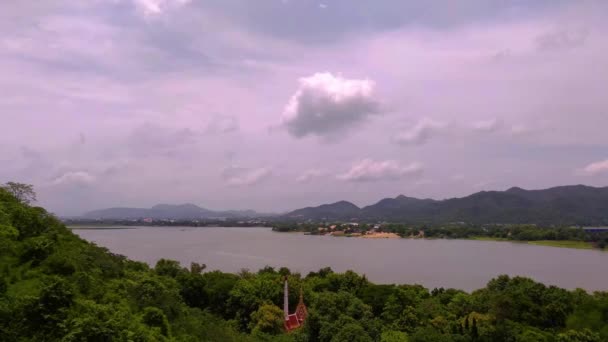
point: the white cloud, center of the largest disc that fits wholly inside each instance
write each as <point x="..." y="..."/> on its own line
<point x="74" y="177"/>
<point x="368" y="170"/>
<point x="309" y="175"/>
<point x="238" y="176"/>
<point x="491" y="125"/>
<point x="154" y="7"/>
<point x="419" y="133"/>
<point x="596" y="168"/>
<point x="326" y="104"/>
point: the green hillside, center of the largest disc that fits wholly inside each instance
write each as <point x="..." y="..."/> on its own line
<point x="564" y="205"/>
<point x="55" y="286"/>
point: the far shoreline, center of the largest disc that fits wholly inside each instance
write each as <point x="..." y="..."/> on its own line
<point x="570" y="244"/>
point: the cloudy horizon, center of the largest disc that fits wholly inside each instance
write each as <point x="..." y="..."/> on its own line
<point x="274" y="105"/>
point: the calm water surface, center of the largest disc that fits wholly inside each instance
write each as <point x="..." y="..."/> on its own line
<point x="462" y="264"/>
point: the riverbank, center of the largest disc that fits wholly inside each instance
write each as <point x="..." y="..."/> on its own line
<point x="381" y="236"/>
<point x="100" y="227"/>
<point x="548" y="243"/>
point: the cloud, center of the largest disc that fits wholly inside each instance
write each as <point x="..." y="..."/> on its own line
<point x="222" y="124"/>
<point x="419" y="133"/>
<point x="485" y="184"/>
<point x="487" y="126"/>
<point x="152" y="139"/>
<point x="155" y="7"/>
<point x="562" y="39"/>
<point x="326" y="104"/>
<point x="457" y="178"/>
<point x="596" y="168"/>
<point x="368" y="170"/>
<point x="520" y="130"/>
<point x="238" y="176"/>
<point x="29" y="153"/>
<point x="74" y="178"/>
<point x="425" y="182"/>
<point x="309" y="175"/>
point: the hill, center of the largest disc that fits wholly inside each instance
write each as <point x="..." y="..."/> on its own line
<point x="564" y="205"/>
<point x="342" y="210"/>
<point x="167" y="211"/>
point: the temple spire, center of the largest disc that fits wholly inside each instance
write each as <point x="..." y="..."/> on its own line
<point x="286" y="299"/>
<point x="301" y="296"/>
<point x="296" y="319"/>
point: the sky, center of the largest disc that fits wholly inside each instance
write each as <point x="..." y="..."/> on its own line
<point x="273" y="105"/>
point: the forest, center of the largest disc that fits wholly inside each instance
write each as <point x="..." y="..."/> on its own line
<point x="55" y="286"/>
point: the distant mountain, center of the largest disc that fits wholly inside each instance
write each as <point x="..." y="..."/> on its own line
<point x="168" y="211"/>
<point x="342" y="210"/>
<point x="576" y="204"/>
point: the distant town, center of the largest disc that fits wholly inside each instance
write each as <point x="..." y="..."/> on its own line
<point x="147" y="221"/>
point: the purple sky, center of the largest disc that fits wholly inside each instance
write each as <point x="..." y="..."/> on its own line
<point x="277" y="104"/>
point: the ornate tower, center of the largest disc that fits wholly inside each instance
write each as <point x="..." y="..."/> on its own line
<point x="295" y="320"/>
<point x="301" y="311"/>
<point x="286" y="299"/>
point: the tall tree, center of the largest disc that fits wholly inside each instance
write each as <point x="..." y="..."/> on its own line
<point x="268" y="319"/>
<point x="23" y="192"/>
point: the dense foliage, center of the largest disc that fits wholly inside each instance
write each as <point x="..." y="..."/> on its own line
<point x="55" y="286"/>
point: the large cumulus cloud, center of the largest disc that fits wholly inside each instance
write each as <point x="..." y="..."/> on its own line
<point x="326" y="104"/>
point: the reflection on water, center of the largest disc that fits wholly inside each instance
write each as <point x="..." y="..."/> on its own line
<point x="459" y="264"/>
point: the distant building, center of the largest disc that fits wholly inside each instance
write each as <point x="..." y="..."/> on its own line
<point x="295" y="320"/>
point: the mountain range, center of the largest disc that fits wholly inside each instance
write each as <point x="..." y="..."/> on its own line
<point x="564" y="205"/>
<point x="168" y="211"/>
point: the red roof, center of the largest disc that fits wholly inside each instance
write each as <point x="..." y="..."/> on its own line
<point x="292" y="322"/>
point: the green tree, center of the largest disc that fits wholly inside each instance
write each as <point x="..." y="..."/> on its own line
<point x="24" y="193"/>
<point x="169" y="268"/>
<point x="268" y="319"/>
<point x="155" y="317"/>
<point x="352" y="332"/>
<point x="428" y="334"/>
<point x="393" y="336"/>
<point x="474" y="331"/>
<point x="578" y="336"/>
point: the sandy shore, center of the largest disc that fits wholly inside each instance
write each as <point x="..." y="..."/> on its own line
<point x="381" y="236"/>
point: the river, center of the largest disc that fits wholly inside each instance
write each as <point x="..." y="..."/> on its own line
<point x="461" y="264"/>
